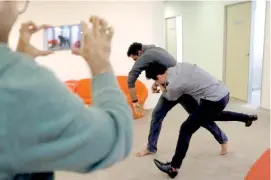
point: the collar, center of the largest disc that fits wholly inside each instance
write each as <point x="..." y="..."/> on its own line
<point x="146" y="47"/>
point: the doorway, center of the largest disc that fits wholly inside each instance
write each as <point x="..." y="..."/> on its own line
<point x="174" y="37"/>
<point x="244" y="36"/>
<point x="258" y="31"/>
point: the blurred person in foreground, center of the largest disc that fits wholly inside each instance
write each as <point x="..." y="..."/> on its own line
<point x="44" y="126"/>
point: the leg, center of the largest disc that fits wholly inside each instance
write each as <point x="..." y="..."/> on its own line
<point x="33" y="176"/>
<point x="160" y="111"/>
<point x="188" y="128"/>
<point x="216" y="131"/>
<point x="158" y="115"/>
<point x="190" y="105"/>
<point x="219" y="135"/>
<point x="191" y="125"/>
<point x="206" y="110"/>
<point x="234" y="116"/>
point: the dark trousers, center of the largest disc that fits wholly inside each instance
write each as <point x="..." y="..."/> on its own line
<point x="190" y="105"/>
<point x="206" y="112"/>
<point x="35" y="176"/>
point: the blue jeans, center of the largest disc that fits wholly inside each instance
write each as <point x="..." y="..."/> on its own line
<point x="190" y="105"/>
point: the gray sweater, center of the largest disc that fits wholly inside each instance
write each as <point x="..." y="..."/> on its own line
<point x="185" y="78"/>
<point x="149" y="55"/>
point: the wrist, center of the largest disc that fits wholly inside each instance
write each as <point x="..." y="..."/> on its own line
<point x="100" y="69"/>
<point x="23" y="51"/>
<point x="135" y="101"/>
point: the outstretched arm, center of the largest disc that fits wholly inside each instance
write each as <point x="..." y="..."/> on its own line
<point x="139" y="66"/>
<point x="133" y="75"/>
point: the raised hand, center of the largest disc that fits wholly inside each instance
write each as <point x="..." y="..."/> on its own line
<point x="96" y="45"/>
<point x="139" y="110"/>
<point x="26" y="31"/>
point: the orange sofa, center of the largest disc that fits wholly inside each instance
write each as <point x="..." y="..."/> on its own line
<point x="261" y="169"/>
<point x="83" y="89"/>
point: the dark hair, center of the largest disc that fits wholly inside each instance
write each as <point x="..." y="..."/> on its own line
<point x="134" y="48"/>
<point x="154" y="69"/>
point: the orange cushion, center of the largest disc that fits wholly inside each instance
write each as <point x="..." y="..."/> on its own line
<point x="83" y="89"/>
<point x="72" y="85"/>
<point x="261" y="169"/>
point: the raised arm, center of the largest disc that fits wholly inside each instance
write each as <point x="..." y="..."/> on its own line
<point x="133" y="75"/>
<point x="58" y="132"/>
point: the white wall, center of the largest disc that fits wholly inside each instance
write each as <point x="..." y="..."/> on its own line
<point x="203" y="36"/>
<point x="202" y="33"/>
<point x="132" y="21"/>
<point x="258" y="43"/>
<point x="265" y="102"/>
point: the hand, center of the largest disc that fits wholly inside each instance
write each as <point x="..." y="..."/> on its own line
<point x="162" y="88"/>
<point x="154" y="88"/>
<point x="26" y="31"/>
<point x="96" y="45"/>
<point x="139" y="110"/>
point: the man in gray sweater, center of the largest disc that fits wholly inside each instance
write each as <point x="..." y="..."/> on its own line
<point x="144" y="55"/>
<point x="212" y="97"/>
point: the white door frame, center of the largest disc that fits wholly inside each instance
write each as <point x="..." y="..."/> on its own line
<point x="167" y="18"/>
<point x="171" y="17"/>
<point x="250" y="53"/>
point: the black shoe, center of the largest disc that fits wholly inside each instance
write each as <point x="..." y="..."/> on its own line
<point x="251" y="119"/>
<point x="166" y="168"/>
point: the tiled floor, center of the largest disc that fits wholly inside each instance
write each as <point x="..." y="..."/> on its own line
<point x="203" y="161"/>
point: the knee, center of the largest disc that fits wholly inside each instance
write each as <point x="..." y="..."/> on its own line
<point x="184" y="128"/>
<point x="157" y="115"/>
<point x="188" y="128"/>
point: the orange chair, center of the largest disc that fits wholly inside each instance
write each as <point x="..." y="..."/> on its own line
<point x="72" y="85"/>
<point x="261" y="169"/>
<point x="53" y="42"/>
<point x="83" y="89"/>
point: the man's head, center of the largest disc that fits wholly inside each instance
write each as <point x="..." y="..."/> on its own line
<point x="135" y="50"/>
<point x="9" y="11"/>
<point x="157" y="72"/>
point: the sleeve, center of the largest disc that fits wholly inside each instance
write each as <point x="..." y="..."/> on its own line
<point x="139" y="66"/>
<point x="59" y="133"/>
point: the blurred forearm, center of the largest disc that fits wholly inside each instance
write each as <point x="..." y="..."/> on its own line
<point x="132" y="92"/>
<point x="97" y="69"/>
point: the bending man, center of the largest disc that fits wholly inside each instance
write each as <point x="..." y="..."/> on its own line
<point x="144" y="55"/>
<point x="211" y="95"/>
